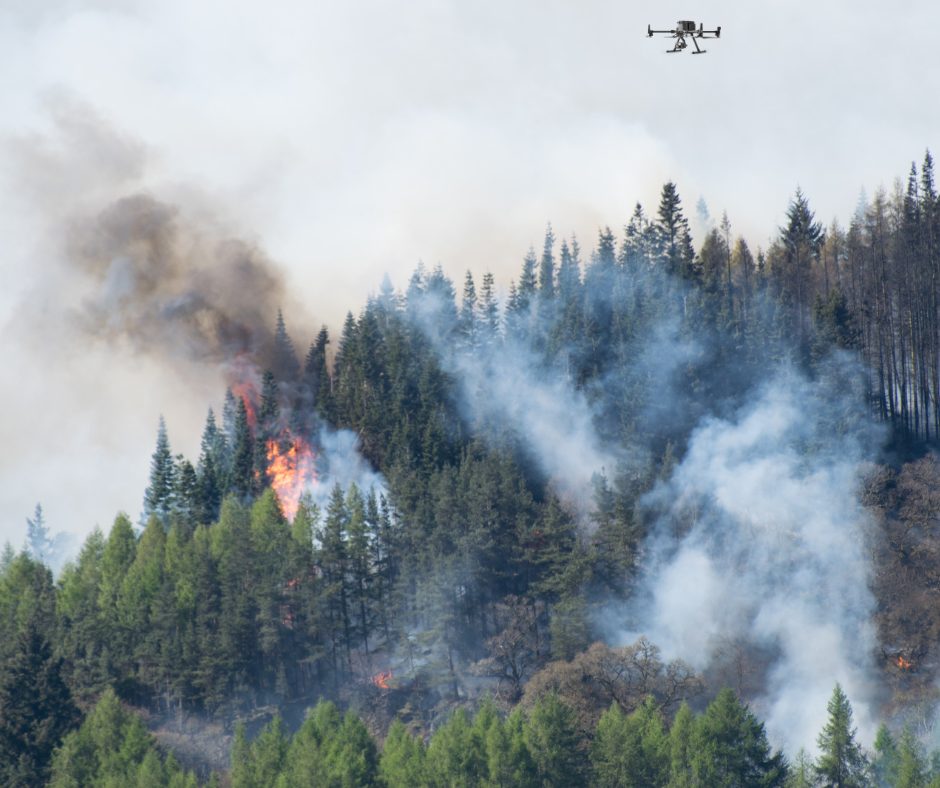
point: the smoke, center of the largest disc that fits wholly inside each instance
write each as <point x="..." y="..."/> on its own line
<point x="162" y="286"/>
<point x="759" y="541"/>
<point x="755" y="568"/>
<point x="344" y="465"/>
<point x="150" y="299"/>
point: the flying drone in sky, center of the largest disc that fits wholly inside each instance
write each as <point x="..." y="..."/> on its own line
<point x="684" y="29"/>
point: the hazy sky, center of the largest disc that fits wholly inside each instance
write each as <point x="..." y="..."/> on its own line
<point x="356" y="138"/>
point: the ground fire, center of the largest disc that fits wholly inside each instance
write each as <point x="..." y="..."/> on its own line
<point x="381" y="679"/>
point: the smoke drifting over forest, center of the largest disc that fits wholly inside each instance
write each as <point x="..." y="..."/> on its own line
<point x="760" y="555"/>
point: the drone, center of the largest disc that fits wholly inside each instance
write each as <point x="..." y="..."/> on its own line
<point x="686" y="29"/>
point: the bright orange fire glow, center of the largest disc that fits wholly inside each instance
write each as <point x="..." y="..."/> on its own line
<point x="247" y="393"/>
<point x="290" y="471"/>
<point x="381" y="679"/>
<point x="902" y="663"/>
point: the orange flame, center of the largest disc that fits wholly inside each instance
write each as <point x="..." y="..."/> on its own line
<point x="381" y="679"/>
<point x="247" y="393"/>
<point x="902" y="663"/>
<point x="245" y="382"/>
<point x="290" y="471"/>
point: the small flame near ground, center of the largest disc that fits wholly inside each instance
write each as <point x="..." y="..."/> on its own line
<point x="290" y="470"/>
<point x="381" y="679"/>
<point x="902" y="663"/>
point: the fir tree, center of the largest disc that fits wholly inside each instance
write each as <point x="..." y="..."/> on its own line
<point x="159" y="497"/>
<point x="284" y="363"/>
<point x="841" y="762"/>
<point x="554" y="742"/>
<point x="36" y="710"/>
<point x="730" y="747"/>
<point x="243" y="481"/>
<point x="547" y="267"/>
<point x="37" y="537"/>
<point x="884" y="764"/>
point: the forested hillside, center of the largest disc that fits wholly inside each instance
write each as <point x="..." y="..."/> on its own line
<point x="514" y="443"/>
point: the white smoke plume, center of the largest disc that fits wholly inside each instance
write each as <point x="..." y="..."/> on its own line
<point x="760" y="541"/>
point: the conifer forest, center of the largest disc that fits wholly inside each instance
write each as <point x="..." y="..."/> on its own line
<point x="657" y="513"/>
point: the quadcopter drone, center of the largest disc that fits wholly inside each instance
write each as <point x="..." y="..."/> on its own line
<point x="686" y="29"/>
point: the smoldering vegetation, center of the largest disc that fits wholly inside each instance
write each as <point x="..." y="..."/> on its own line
<point x="631" y="477"/>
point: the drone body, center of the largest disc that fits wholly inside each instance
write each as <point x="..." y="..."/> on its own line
<point x="683" y="29"/>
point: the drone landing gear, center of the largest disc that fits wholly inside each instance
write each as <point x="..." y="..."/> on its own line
<point x="697" y="50"/>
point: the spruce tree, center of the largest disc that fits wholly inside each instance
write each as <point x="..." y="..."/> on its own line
<point x="802" y="773"/>
<point x="243" y="480"/>
<point x="553" y="739"/>
<point x="488" y="306"/>
<point x="911" y="767"/>
<point x="528" y="282"/>
<point x="36" y="710"/>
<point x="284" y="364"/>
<point x="404" y="759"/>
<point x="730" y="747"/>
<point x="671" y="226"/>
<point x="159" y="497"/>
<point x="547" y="267"/>
<point x="884" y="764"/>
<point x="37" y="537"/>
<point x="841" y="762"/>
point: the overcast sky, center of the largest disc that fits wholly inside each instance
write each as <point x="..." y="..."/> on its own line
<point x="355" y="138"/>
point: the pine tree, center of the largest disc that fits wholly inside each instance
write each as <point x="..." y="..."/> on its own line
<point x="730" y="747"/>
<point x="802" y="773"/>
<point x="911" y="767"/>
<point x="884" y="764"/>
<point x="284" y="363"/>
<point x="488" y="307"/>
<point x="670" y="227"/>
<point x="547" y="267"/>
<point x="36" y="710"/>
<point x="468" y="313"/>
<point x="334" y="561"/>
<point x="229" y="416"/>
<point x="680" y="754"/>
<point x="528" y="282"/>
<point x="553" y="740"/>
<point x="159" y="497"/>
<point x="37" y="537"/>
<point x="404" y="759"/>
<point x="243" y="480"/>
<point x="841" y="762"/>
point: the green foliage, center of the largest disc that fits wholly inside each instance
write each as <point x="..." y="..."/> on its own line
<point x="841" y="762"/>
<point x="159" y="498"/>
<point x="886" y="760"/>
<point x="112" y="748"/>
<point x="36" y="709"/>
<point x="730" y="748"/>
<point x="555" y="743"/>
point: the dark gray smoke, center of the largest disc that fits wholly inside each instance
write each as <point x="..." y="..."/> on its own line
<point x="163" y="286"/>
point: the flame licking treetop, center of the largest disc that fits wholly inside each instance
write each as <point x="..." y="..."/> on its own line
<point x="290" y="470"/>
<point x="287" y="462"/>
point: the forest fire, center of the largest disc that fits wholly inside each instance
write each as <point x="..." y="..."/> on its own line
<point x="290" y="460"/>
<point x="903" y="663"/>
<point x="381" y="679"/>
<point x="290" y="471"/>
